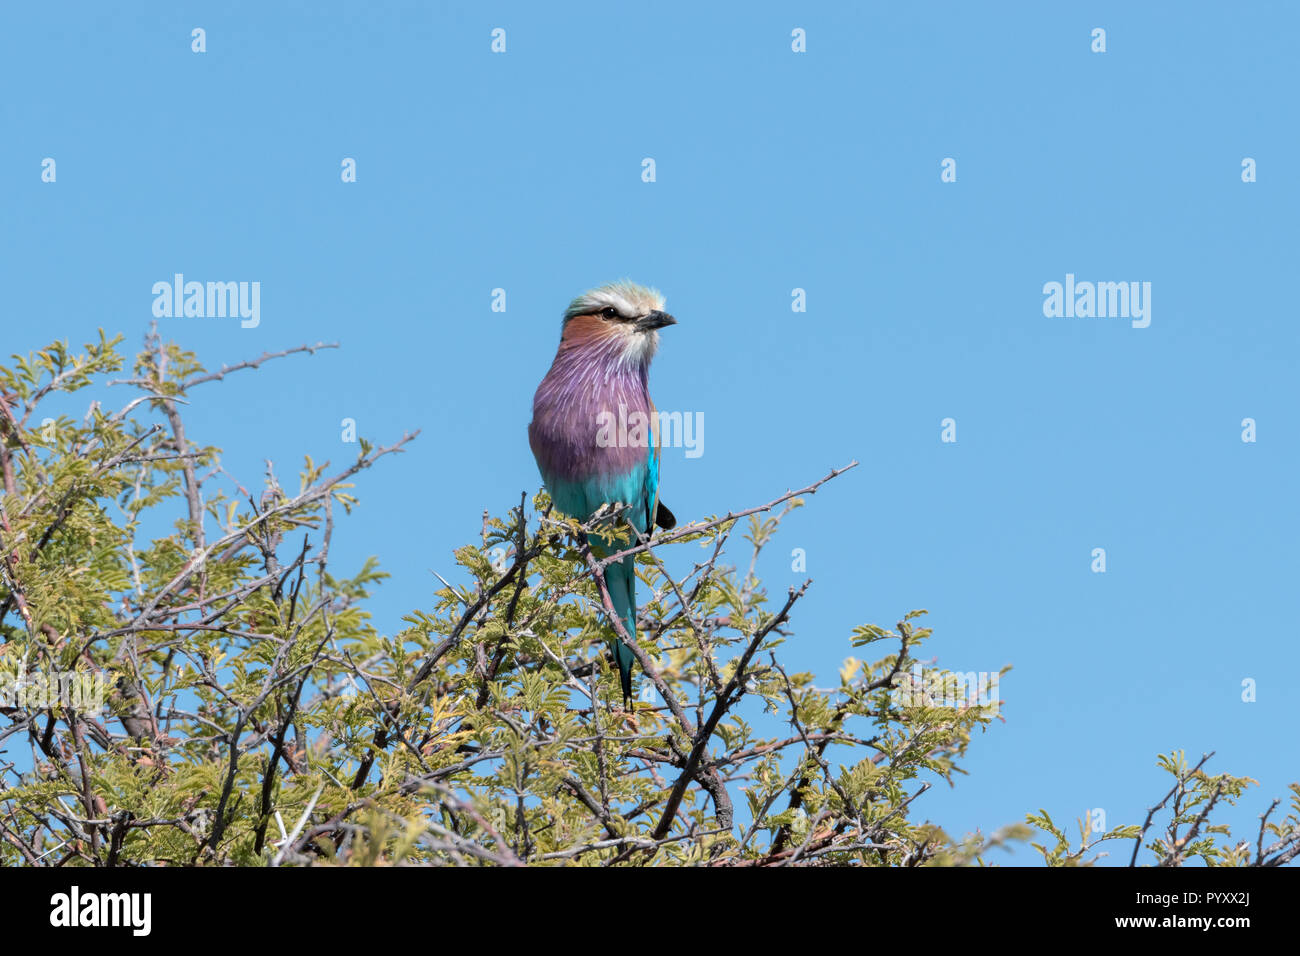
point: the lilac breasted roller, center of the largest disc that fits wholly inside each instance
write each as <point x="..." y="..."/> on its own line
<point x="584" y="431"/>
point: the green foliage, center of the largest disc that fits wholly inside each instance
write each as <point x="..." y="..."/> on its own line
<point x="1187" y="831"/>
<point x="255" y="715"/>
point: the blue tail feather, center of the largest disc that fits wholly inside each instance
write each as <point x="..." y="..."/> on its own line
<point x="583" y="498"/>
<point x="620" y="579"/>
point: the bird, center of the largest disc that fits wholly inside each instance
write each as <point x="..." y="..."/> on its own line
<point x="589" y="461"/>
<point x="136" y="718"/>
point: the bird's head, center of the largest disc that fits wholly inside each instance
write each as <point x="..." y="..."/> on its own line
<point x="621" y="315"/>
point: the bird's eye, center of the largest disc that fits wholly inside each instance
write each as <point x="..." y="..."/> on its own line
<point x="609" y="312"/>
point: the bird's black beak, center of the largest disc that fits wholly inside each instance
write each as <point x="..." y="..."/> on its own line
<point x="655" y="320"/>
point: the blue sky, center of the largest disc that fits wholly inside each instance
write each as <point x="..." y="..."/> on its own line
<point x="775" y="171"/>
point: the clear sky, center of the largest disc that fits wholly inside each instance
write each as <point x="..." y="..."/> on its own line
<point x="775" y="170"/>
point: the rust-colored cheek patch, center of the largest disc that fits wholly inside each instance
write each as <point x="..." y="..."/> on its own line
<point x="585" y="329"/>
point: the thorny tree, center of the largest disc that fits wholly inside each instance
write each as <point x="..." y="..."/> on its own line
<point x="254" y="715"/>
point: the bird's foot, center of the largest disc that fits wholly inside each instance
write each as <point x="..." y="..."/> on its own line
<point x="629" y="718"/>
